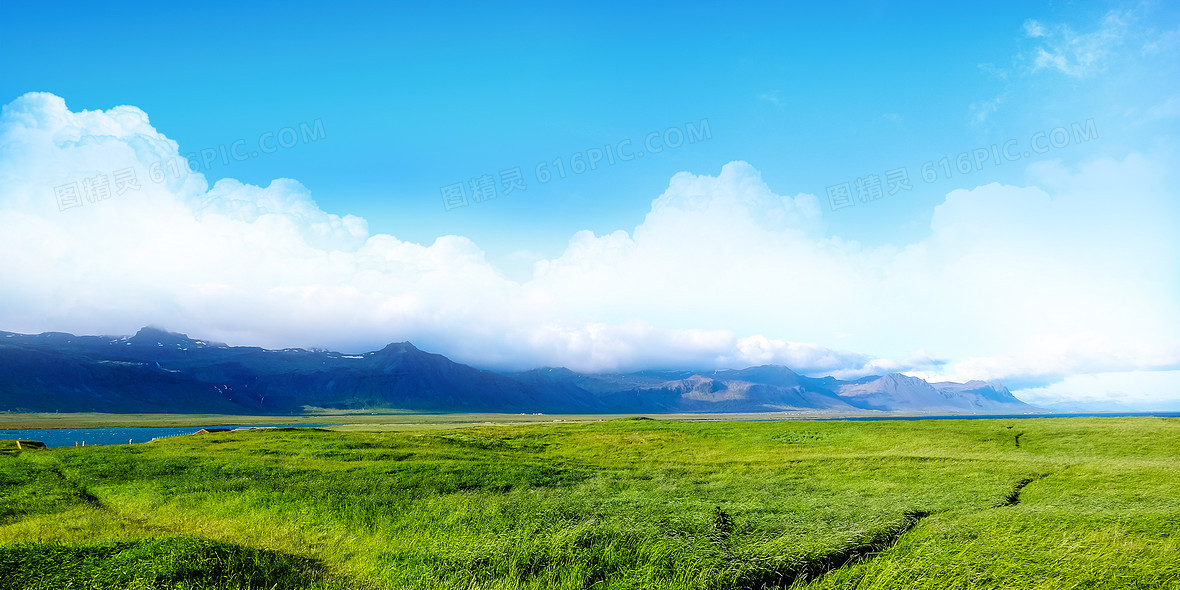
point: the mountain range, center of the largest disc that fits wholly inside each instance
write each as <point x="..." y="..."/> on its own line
<point x="156" y="371"/>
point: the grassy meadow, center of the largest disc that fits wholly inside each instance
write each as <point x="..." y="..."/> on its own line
<point x="637" y="504"/>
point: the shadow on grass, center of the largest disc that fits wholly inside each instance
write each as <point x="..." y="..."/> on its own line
<point x="178" y="563"/>
<point x="760" y="578"/>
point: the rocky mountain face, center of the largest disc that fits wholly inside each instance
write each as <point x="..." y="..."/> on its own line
<point x="159" y="371"/>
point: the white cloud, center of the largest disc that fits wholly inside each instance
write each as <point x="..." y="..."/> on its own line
<point x="1077" y="54"/>
<point x="1073" y="274"/>
<point x="1033" y="29"/>
<point x="265" y="265"/>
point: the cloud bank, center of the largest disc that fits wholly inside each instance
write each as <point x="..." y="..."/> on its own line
<point x="1073" y="274"/>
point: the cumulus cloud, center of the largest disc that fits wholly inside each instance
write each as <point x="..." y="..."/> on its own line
<point x="1072" y="274"/>
<point x="265" y="265"/>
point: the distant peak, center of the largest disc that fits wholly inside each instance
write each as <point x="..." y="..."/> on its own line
<point x="561" y="371"/>
<point x="152" y="336"/>
<point x="399" y="348"/>
<point x="899" y="378"/>
<point x="761" y="371"/>
<point x="992" y="384"/>
<point x="892" y="382"/>
<point x="154" y="332"/>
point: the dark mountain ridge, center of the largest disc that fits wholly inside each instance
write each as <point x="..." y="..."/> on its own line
<point x="160" y="371"/>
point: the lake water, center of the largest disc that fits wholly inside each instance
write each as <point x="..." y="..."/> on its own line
<point x="67" y="437"/>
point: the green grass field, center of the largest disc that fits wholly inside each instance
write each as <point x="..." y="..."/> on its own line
<point x="651" y="504"/>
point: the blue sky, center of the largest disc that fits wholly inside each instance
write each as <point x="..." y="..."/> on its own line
<point x="414" y="98"/>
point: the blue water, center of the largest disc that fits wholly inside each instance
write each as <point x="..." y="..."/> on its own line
<point x="67" y="437"/>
